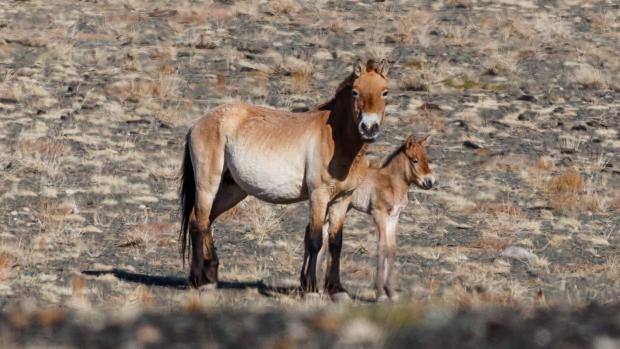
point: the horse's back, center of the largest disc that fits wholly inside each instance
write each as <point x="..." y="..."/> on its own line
<point x="266" y="150"/>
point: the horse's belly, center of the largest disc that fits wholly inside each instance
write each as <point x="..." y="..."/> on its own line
<point x="276" y="179"/>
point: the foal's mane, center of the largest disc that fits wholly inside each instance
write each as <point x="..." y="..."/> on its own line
<point x="391" y="157"/>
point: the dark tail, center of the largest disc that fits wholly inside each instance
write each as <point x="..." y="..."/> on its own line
<point x="187" y="194"/>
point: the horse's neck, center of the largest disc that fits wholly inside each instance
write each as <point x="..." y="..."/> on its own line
<point x="398" y="168"/>
<point x="346" y="136"/>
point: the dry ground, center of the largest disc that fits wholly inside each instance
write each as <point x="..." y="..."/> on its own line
<point x="521" y="97"/>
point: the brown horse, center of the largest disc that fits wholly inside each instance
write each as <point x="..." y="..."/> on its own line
<point x="279" y="157"/>
<point x="382" y="194"/>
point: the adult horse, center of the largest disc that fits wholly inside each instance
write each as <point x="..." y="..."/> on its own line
<point x="279" y="157"/>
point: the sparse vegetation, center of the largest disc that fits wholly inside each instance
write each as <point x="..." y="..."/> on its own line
<point x="96" y="97"/>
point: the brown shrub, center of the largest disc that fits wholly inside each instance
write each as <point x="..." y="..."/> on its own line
<point x="567" y="182"/>
<point x="7" y="262"/>
<point x="499" y="208"/>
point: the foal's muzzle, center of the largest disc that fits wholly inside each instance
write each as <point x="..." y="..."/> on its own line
<point x="427" y="183"/>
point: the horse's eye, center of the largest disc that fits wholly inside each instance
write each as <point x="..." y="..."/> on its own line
<point x="354" y="93"/>
<point x="385" y="93"/>
<point x="415" y="161"/>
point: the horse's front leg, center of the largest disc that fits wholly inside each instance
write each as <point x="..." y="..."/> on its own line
<point x="313" y="241"/>
<point x="336" y="213"/>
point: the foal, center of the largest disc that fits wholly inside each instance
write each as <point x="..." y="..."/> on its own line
<point x="279" y="157"/>
<point x="383" y="194"/>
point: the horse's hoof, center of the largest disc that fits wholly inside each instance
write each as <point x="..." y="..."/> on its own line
<point x="341" y="297"/>
<point x="312" y="297"/>
<point x="208" y="287"/>
<point x="395" y="297"/>
<point x="196" y="281"/>
<point x="382" y="299"/>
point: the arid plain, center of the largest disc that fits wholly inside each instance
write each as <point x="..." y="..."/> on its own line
<point x="521" y="99"/>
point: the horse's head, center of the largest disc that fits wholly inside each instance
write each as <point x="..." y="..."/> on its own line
<point x="369" y="93"/>
<point x="418" y="165"/>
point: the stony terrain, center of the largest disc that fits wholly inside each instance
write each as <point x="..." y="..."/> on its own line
<point x="521" y="99"/>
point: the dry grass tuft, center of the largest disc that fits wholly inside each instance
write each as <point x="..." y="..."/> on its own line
<point x="52" y="215"/>
<point x="41" y="155"/>
<point x="500" y="209"/>
<point x="78" y="284"/>
<point x="263" y="218"/>
<point x="299" y="71"/>
<point x="501" y="64"/>
<point x="567" y="193"/>
<point x="590" y="77"/>
<point x="567" y="182"/>
<point x="146" y="237"/>
<point x="417" y="81"/>
<point x="284" y="7"/>
<point x="8" y="261"/>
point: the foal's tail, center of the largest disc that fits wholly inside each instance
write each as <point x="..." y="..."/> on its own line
<point x="187" y="194"/>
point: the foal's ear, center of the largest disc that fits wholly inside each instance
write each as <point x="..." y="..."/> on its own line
<point x="425" y="139"/>
<point x="383" y="67"/>
<point x="410" y="142"/>
<point x="358" y="68"/>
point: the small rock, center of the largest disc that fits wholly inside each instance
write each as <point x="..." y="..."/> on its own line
<point x="527" y="115"/>
<point x="579" y="127"/>
<point x="472" y="145"/>
<point x="517" y="252"/>
<point x="527" y="98"/>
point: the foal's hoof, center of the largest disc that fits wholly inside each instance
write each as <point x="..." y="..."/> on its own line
<point x="341" y="297"/>
<point x="395" y="297"/>
<point x="382" y="299"/>
<point x="312" y="297"/>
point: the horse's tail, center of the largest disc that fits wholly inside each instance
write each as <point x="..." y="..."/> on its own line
<point x="187" y="194"/>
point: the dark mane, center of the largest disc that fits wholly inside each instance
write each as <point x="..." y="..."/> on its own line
<point x="345" y="84"/>
<point x="391" y="157"/>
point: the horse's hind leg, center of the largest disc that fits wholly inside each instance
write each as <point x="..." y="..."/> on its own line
<point x="228" y="195"/>
<point x="208" y="163"/>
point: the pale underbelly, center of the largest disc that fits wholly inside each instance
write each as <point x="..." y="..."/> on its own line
<point x="276" y="179"/>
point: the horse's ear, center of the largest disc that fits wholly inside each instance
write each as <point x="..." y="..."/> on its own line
<point x="425" y="139"/>
<point x="358" y="68"/>
<point x="410" y="141"/>
<point x="383" y="67"/>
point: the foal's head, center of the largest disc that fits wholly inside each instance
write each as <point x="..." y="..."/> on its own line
<point x="418" y="165"/>
<point x="368" y="93"/>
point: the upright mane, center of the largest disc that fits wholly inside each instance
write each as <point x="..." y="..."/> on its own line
<point x="345" y="84"/>
<point x="392" y="155"/>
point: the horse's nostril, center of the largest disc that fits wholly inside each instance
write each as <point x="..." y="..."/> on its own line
<point x="364" y="127"/>
<point x="428" y="184"/>
<point x="374" y="129"/>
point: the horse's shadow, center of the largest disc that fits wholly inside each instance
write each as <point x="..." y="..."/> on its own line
<point x="180" y="283"/>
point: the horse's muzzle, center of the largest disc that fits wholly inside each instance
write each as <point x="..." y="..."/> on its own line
<point x="369" y="132"/>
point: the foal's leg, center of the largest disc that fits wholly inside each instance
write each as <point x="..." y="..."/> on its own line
<point x="313" y="270"/>
<point x="390" y="256"/>
<point x="381" y="222"/>
<point x="337" y="212"/>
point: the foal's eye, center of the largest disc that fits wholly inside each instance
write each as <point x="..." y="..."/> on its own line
<point x="385" y="93"/>
<point x="354" y="93"/>
<point x="415" y="161"/>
